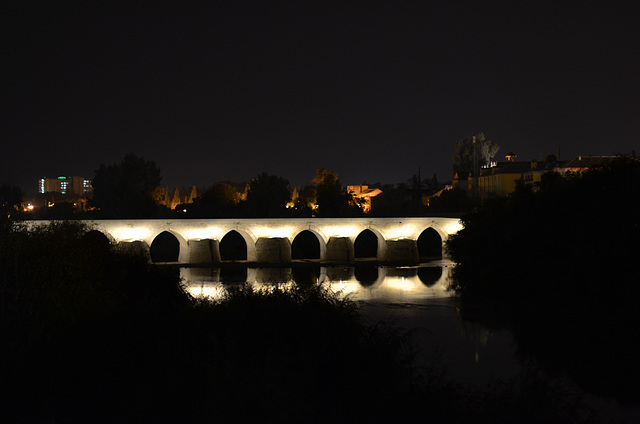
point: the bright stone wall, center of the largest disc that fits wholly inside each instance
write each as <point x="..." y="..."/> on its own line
<point x="269" y="240"/>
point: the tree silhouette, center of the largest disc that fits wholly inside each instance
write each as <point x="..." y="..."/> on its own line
<point x="267" y="196"/>
<point x="331" y="197"/>
<point x="10" y="199"/>
<point x="125" y="190"/>
<point x="220" y="200"/>
<point x="463" y="154"/>
<point x="303" y="201"/>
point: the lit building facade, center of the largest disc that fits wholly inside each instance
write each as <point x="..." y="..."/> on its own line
<point x="364" y="194"/>
<point x="501" y="180"/>
<point x="78" y="186"/>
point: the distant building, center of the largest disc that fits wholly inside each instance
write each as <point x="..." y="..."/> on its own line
<point x="51" y="191"/>
<point x="78" y="186"/>
<point x="501" y="179"/>
<point x="461" y="182"/>
<point x="364" y="193"/>
<point x="582" y="163"/>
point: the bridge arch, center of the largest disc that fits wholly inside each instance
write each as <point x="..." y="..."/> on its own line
<point x="369" y="243"/>
<point x="96" y="233"/>
<point x="97" y="242"/>
<point x="449" y="230"/>
<point x="430" y="243"/>
<point x="393" y="235"/>
<point x="168" y="246"/>
<point x="308" y="244"/>
<point x="236" y="245"/>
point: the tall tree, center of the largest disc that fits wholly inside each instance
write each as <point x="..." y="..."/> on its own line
<point x="125" y="190"/>
<point x="176" y="199"/>
<point x="161" y="196"/>
<point x="267" y="196"/>
<point x="10" y="200"/>
<point x="304" y="201"/>
<point x="220" y="200"/>
<point x="463" y="154"/>
<point x="331" y="197"/>
<point x="192" y="195"/>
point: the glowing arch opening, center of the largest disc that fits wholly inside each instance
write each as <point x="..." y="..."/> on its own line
<point x="305" y="246"/>
<point x="429" y="244"/>
<point x="233" y="247"/>
<point x="366" y="245"/>
<point x="165" y="248"/>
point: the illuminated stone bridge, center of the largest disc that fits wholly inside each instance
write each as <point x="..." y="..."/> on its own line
<point x="281" y="240"/>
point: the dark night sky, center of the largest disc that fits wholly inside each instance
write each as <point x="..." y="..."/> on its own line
<point x="371" y="90"/>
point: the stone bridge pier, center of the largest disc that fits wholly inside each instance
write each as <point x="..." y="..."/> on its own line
<point x="281" y="240"/>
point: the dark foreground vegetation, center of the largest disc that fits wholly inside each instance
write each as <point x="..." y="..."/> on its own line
<point x="558" y="266"/>
<point x="90" y="334"/>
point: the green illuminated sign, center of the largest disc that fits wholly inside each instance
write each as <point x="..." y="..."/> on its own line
<point x="62" y="178"/>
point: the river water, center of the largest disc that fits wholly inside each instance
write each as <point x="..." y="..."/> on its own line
<point x="413" y="298"/>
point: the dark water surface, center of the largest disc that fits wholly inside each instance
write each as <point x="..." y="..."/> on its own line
<point x="414" y="299"/>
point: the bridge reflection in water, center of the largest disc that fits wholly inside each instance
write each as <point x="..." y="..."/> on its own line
<point x="361" y="282"/>
<point x="414" y="298"/>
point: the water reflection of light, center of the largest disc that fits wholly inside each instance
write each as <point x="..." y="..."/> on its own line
<point x="202" y="282"/>
<point x="405" y="284"/>
<point x="268" y="286"/>
<point x="349" y="287"/>
<point x="205" y="289"/>
<point x="395" y="284"/>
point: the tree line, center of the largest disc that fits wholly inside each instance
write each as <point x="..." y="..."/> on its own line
<point x="556" y="264"/>
<point x="131" y="189"/>
<point x="127" y="190"/>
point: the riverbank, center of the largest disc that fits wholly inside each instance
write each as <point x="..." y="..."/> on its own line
<point x="555" y="265"/>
